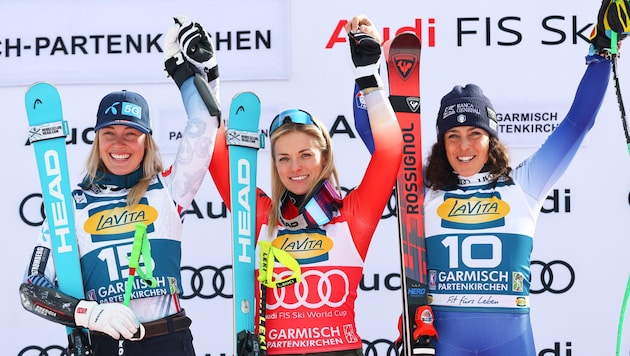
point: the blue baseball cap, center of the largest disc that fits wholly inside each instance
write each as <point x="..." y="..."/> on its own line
<point x="124" y="108"/>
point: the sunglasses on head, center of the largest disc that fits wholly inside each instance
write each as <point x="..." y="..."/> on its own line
<point x="294" y="115"/>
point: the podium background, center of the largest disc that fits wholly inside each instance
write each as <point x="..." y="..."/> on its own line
<point x="527" y="56"/>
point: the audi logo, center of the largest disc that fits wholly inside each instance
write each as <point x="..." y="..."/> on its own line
<point x="320" y="295"/>
<point x="34" y="350"/>
<point x="206" y="282"/>
<point x="555" y="277"/>
<point x="386" y="347"/>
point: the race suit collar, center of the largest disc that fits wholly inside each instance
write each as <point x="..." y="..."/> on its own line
<point x="126" y="181"/>
<point x="475" y="179"/>
<point x="314" y="210"/>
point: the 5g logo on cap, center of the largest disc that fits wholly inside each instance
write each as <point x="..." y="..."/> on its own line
<point x="130" y="109"/>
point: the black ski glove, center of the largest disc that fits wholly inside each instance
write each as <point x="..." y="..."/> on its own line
<point x="366" y="56"/>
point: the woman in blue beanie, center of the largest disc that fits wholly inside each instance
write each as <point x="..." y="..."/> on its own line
<point x="480" y="214"/>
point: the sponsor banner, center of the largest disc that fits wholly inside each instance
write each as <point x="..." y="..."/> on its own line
<point x="105" y="43"/>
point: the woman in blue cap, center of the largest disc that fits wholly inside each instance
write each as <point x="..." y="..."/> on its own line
<point x="126" y="183"/>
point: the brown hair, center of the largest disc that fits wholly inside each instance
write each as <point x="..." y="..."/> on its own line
<point x="151" y="164"/>
<point x="329" y="171"/>
<point x="439" y="173"/>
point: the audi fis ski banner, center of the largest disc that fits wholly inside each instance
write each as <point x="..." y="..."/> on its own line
<point x="47" y="134"/>
<point x="244" y="140"/>
<point x="403" y="71"/>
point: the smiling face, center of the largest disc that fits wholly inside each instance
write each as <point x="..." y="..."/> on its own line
<point x="121" y="148"/>
<point x="298" y="161"/>
<point x="467" y="149"/>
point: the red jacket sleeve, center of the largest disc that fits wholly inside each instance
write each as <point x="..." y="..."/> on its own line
<point x="220" y="166"/>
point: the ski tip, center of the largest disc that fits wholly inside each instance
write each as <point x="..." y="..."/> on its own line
<point x="406" y="39"/>
<point x="39" y="92"/>
<point x="39" y="84"/>
<point x="245" y="99"/>
<point x="246" y="95"/>
<point x="244" y="112"/>
<point x="405" y="45"/>
<point x="40" y="89"/>
<point x="386" y="45"/>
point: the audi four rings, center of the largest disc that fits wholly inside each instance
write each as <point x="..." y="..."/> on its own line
<point x="547" y="273"/>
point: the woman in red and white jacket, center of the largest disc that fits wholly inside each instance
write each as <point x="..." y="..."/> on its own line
<point x="316" y="315"/>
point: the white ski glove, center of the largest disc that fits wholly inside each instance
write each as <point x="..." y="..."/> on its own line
<point x="113" y="319"/>
<point x="366" y="56"/>
<point x="196" y="45"/>
<point x="188" y="50"/>
<point x="171" y="47"/>
<point x="177" y="67"/>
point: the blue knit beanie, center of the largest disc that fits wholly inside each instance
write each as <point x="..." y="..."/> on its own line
<point x="466" y="106"/>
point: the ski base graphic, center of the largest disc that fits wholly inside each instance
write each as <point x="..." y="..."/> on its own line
<point x="244" y="140"/>
<point x="47" y="134"/>
<point x="403" y="69"/>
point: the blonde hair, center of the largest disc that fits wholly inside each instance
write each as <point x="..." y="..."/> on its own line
<point x="151" y="165"/>
<point x="329" y="171"/>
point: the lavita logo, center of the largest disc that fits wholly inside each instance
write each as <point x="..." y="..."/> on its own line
<point x="557" y="202"/>
<point x="557" y="350"/>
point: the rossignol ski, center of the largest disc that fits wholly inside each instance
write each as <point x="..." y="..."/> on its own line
<point x="403" y="71"/>
<point x="244" y="140"/>
<point x="402" y="56"/>
<point x="47" y="134"/>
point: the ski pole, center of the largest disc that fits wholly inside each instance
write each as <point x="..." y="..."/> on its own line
<point x="134" y="260"/>
<point x="268" y="256"/>
<point x="622" y="109"/>
<point x="613" y="51"/>
<point x="622" y="314"/>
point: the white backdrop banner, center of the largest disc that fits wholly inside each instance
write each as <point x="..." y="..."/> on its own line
<point x="527" y="56"/>
<point x="103" y="42"/>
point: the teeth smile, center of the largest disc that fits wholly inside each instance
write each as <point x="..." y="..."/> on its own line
<point x="298" y="178"/>
<point x="119" y="157"/>
<point x="465" y="158"/>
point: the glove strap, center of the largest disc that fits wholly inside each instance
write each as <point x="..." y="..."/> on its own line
<point x="368" y="77"/>
<point x="179" y="69"/>
<point x="369" y="82"/>
<point x="212" y="73"/>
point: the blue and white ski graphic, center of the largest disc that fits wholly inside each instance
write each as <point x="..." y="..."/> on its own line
<point x="244" y="140"/>
<point x="47" y="134"/>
